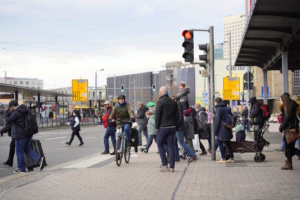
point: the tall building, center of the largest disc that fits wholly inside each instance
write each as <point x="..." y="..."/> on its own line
<point x="236" y="25"/>
<point x="34" y="83"/>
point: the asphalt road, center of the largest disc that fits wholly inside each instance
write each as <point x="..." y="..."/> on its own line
<point x="55" y="149"/>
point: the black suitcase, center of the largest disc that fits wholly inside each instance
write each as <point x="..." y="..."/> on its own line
<point x="37" y="147"/>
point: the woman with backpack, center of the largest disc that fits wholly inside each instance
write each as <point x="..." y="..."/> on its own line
<point x="290" y="121"/>
<point x="75" y="124"/>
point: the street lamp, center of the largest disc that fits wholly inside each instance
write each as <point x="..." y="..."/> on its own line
<point x="5" y="76"/>
<point x="230" y="65"/>
<point x="96" y="86"/>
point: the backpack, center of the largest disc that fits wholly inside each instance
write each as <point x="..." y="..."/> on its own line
<point x="201" y="121"/>
<point x="31" y="126"/>
<point x="230" y="119"/>
<point x="265" y="111"/>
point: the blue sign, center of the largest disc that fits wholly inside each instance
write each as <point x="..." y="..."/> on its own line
<point x="205" y="100"/>
<point x="262" y="91"/>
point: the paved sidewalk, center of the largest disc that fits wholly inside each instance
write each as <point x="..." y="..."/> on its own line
<point x="141" y="179"/>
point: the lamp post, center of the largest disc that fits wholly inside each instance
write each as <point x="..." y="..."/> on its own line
<point x="5" y="77"/>
<point x="230" y="64"/>
<point x="96" y="86"/>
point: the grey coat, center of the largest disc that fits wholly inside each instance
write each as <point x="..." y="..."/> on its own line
<point x="141" y="117"/>
<point x="189" y="131"/>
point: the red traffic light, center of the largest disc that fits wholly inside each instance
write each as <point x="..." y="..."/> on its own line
<point x="187" y="34"/>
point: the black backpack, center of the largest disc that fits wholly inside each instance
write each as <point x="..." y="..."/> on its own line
<point x="31" y="126"/>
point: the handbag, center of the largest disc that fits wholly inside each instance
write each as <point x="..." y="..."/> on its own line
<point x="279" y="119"/>
<point x="291" y="135"/>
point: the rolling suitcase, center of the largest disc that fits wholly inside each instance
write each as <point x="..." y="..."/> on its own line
<point x="37" y="147"/>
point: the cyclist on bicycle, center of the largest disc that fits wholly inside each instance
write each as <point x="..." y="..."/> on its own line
<point x="124" y="113"/>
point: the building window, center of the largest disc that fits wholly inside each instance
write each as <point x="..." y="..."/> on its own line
<point x="27" y="82"/>
<point x="33" y="82"/>
<point x="21" y="82"/>
<point x="15" y="82"/>
<point x="39" y="88"/>
<point x="10" y="82"/>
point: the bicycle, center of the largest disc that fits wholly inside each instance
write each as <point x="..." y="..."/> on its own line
<point x="121" y="142"/>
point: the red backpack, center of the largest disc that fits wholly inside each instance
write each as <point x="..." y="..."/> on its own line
<point x="265" y="111"/>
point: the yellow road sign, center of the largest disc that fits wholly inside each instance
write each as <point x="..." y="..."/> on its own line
<point x="231" y="88"/>
<point x="80" y="89"/>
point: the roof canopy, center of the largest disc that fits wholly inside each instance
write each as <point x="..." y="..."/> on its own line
<point x="25" y="90"/>
<point x="272" y="27"/>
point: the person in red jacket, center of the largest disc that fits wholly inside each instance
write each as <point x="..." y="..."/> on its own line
<point x="110" y="129"/>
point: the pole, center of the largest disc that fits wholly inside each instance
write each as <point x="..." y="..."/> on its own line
<point x="5" y="77"/>
<point x="134" y="95"/>
<point x="114" y="86"/>
<point x="95" y="90"/>
<point x="212" y="89"/>
<point x="230" y="64"/>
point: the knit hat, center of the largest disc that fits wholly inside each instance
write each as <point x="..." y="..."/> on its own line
<point x="150" y="104"/>
<point x="182" y="84"/>
<point x="186" y="112"/>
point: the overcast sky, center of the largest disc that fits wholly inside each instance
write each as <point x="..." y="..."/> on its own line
<point x="58" y="41"/>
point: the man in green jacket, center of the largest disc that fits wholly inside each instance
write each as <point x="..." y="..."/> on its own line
<point x="123" y="112"/>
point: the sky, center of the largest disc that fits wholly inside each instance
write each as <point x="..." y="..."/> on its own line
<point x="58" y="41"/>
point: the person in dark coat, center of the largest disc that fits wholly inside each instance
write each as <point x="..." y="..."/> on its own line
<point x="75" y="124"/>
<point x="10" y="159"/>
<point x="290" y="121"/>
<point x="223" y="133"/>
<point x="22" y="140"/>
<point x="257" y="119"/>
<point x="142" y="122"/>
<point x="245" y="115"/>
<point x="166" y="121"/>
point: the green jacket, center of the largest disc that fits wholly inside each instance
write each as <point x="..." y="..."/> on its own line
<point x="122" y="113"/>
<point x="151" y="125"/>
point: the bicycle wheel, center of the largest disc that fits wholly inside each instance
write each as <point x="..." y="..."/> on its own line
<point x="127" y="154"/>
<point x="119" y="153"/>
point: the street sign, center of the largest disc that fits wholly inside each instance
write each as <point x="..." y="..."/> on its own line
<point x="80" y="89"/>
<point x="231" y="88"/>
<point x="204" y="94"/>
<point x="248" y="77"/>
<point x="217" y="94"/>
<point x="205" y="100"/>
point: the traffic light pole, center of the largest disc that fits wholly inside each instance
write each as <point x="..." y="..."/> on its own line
<point x="212" y="90"/>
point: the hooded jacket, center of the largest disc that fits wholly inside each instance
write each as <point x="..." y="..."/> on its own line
<point x="141" y="117"/>
<point x="222" y="133"/>
<point x="122" y="112"/>
<point x="17" y="121"/>
<point x="189" y="130"/>
<point x="183" y="94"/>
<point x="151" y="125"/>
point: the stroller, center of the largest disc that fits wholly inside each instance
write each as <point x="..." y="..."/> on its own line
<point x="251" y="146"/>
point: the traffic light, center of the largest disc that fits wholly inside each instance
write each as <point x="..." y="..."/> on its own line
<point x="95" y="107"/>
<point x="206" y="57"/>
<point x="122" y="88"/>
<point x="188" y="46"/>
<point x="153" y="87"/>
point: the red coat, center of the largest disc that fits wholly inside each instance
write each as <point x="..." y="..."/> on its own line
<point x="106" y="117"/>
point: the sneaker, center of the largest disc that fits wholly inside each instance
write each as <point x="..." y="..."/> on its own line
<point x="18" y="171"/>
<point x="42" y="163"/>
<point x="203" y="153"/>
<point x="67" y="143"/>
<point x="192" y="159"/>
<point x="81" y="144"/>
<point x="143" y="150"/>
<point x="208" y="151"/>
<point x="105" y="152"/>
<point x="230" y="161"/>
<point x="113" y="153"/>
<point x="221" y="161"/>
<point x="135" y="155"/>
<point x="279" y="150"/>
<point x="182" y="156"/>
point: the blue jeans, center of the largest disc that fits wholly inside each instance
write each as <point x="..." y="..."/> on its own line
<point x="246" y="125"/>
<point x="188" y="150"/>
<point x="23" y="146"/>
<point x="166" y="136"/>
<point x="127" y="132"/>
<point x="110" y="132"/>
<point x="298" y="144"/>
<point x="282" y="142"/>
<point x="176" y="151"/>
<point x="150" y="140"/>
<point x="222" y="150"/>
<point x="145" y="131"/>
